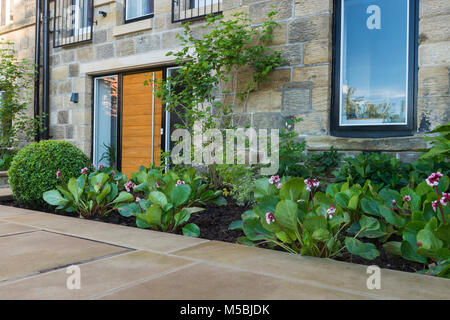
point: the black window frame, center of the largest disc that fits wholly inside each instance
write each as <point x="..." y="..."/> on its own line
<point x="144" y="17"/>
<point x="375" y="131"/>
<point x="58" y="25"/>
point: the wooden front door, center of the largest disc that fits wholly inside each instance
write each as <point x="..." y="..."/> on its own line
<point x="141" y="122"/>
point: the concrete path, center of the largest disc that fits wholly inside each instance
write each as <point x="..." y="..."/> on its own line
<point x="118" y="262"/>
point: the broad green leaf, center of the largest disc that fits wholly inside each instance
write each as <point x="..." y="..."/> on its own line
<point x="191" y="230"/>
<point x="286" y="214"/>
<point x="342" y="199"/>
<point x="353" y="202"/>
<point x="54" y="198"/>
<point x="409" y="253"/>
<point x="153" y="215"/>
<point x="158" y="198"/>
<point x="180" y="194"/>
<point x="365" y="250"/>
<point x="443" y="232"/>
<point x="236" y="225"/>
<point x="393" y="247"/>
<point x="391" y="217"/>
<point x="128" y="210"/>
<point x="124" y="197"/>
<point x="263" y="188"/>
<point x="283" y="236"/>
<point x="292" y="189"/>
<point x="254" y="230"/>
<point x="321" y="235"/>
<point x="370" y="206"/>
<point x="73" y="188"/>
<point x="313" y="223"/>
<point x="429" y="240"/>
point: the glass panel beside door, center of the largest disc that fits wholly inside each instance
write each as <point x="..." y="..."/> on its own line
<point x="105" y="121"/>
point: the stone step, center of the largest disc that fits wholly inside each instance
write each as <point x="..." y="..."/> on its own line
<point x="4" y="179"/>
<point x="6" y="194"/>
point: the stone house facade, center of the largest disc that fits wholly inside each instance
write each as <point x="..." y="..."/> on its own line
<point x="312" y="41"/>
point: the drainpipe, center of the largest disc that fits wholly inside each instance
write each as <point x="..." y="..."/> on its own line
<point x="37" y="62"/>
<point x="45" y="71"/>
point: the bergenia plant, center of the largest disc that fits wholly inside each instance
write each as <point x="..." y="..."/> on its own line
<point x="96" y="194"/>
<point x="299" y="219"/>
<point x="166" y="201"/>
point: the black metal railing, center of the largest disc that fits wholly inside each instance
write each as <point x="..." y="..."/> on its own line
<point x="72" y="22"/>
<point x="183" y="10"/>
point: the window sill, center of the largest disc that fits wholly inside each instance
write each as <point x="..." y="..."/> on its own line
<point x="133" y="27"/>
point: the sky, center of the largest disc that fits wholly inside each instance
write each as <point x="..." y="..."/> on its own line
<point x="375" y="60"/>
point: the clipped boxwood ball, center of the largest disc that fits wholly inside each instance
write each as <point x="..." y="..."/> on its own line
<point x="33" y="169"/>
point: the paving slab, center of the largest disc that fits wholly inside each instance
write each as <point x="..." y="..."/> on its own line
<point x="7" y="212"/>
<point x="13" y="228"/>
<point x="208" y="282"/>
<point x="340" y="275"/>
<point x="29" y="253"/>
<point x="111" y="233"/>
<point x="97" y="277"/>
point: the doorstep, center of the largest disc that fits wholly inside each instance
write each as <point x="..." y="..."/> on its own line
<point x="119" y="262"/>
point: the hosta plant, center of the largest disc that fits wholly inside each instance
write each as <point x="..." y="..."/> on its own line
<point x="96" y="194"/>
<point x="291" y="215"/>
<point x="166" y="201"/>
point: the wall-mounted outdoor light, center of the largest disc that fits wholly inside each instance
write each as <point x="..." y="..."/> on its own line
<point x="74" y="97"/>
<point x="103" y="13"/>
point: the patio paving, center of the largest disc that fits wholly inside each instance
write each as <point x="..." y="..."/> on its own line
<point x="118" y="262"/>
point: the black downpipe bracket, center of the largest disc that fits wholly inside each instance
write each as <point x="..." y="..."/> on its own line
<point x="46" y="71"/>
<point x="37" y="62"/>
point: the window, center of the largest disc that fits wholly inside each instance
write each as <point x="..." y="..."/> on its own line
<point x="6" y="12"/>
<point x="183" y="10"/>
<point x="105" y="121"/>
<point x="138" y="10"/>
<point x="73" y="21"/>
<point x="374" y="68"/>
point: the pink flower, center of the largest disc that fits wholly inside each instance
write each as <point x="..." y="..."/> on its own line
<point x="113" y="173"/>
<point x="407" y="198"/>
<point x="180" y="182"/>
<point x="274" y="179"/>
<point x="58" y="174"/>
<point x="129" y="185"/>
<point x="445" y="198"/>
<point x="279" y="185"/>
<point x="433" y="179"/>
<point x="157" y="183"/>
<point x="138" y="199"/>
<point x="270" y="217"/>
<point x="331" y="211"/>
<point x="394" y="203"/>
<point x="434" y="204"/>
<point x="311" y="183"/>
<point x="84" y="170"/>
<point x="101" y="166"/>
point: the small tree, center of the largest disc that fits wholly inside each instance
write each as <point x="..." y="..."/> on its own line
<point x="16" y="77"/>
<point x="231" y="59"/>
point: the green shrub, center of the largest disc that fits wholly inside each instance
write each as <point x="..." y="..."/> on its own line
<point x="33" y="169"/>
<point x="321" y="164"/>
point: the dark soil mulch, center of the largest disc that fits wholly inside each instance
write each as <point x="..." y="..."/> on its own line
<point x="214" y="223"/>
